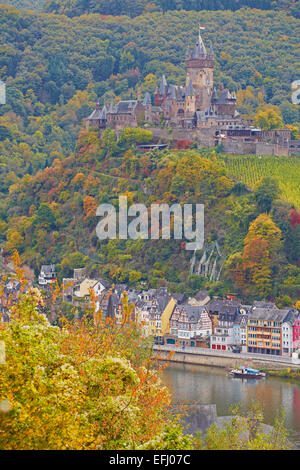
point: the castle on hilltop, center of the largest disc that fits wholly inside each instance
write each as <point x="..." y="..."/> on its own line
<point x="196" y="113"/>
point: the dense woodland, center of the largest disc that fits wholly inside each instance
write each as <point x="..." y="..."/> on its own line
<point x="28" y="4"/>
<point x="96" y="379"/>
<point x="50" y="217"/>
<point x="54" y="173"/>
<point x="137" y="7"/>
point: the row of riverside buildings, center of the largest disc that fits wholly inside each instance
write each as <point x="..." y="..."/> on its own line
<point x="198" y="321"/>
<point x="177" y="319"/>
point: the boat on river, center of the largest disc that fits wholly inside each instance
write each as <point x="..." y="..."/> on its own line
<point x="247" y="373"/>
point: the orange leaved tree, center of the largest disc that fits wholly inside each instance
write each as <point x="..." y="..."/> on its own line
<point x="86" y="384"/>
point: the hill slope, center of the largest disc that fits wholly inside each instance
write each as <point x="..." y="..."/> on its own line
<point x="137" y="7"/>
<point x="251" y="168"/>
<point x="27" y="4"/>
<point x="50" y="187"/>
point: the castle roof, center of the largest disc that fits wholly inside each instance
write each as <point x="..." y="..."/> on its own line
<point x="190" y="90"/>
<point x="123" y="107"/>
<point x="147" y="99"/>
<point x="199" y="49"/>
<point x="203" y="115"/>
<point x="156" y="109"/>
<point x="172" y="90"/>
<point x="176" y="92"/>
<point x="96" y="115"/>
<point x="222" y="97"/>
<point x="163" y="86"/>
<point x="103" y="113"/>
<point x="111" y="108"/>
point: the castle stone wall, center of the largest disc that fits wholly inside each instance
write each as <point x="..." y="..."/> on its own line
<point x="239" y="148"/>
<point x="205" y="138"/>
<point x="263" y="148"/>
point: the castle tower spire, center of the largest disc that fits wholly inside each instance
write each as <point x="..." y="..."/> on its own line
<point x="201" y="43"/>
<point x="163" y="86"/>
<point x="199" y="70"/>
<point x="190" y="91"/>
<point x="199" y="49"/>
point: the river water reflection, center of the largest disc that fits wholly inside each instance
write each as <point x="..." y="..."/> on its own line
<point x="210" y="385"/>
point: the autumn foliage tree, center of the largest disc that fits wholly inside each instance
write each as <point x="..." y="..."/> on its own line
<point x="90" y="384"/>
<point x="252" y="269"/>
<point x="82" y="385"/>
<point x="89" y="206"/>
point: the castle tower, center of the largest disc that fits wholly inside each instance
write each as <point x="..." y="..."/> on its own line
<point x="199" y="71"/>
<point x="190" y="101"/>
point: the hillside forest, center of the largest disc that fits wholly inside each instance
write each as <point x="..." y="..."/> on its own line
<point x="138" y="7"/>
<point x="54" y="173"/>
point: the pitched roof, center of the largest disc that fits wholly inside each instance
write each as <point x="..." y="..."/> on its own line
<point x="96" y="115"/>
<point x="180" y="298"/>
<point x="199" y="49"/>
<point x="48" y="268"/>
<point x="156" y="109"/>
<point x="223" y="306"/>
<point x="120" y="287"/>
<point x="163" y="86"/>
<point x="193" y="312"/>
<point x="126" y="107"/>
<point x="132" y="297"/>
<point x="268" y="314"/>
<point x="103" y="113"/>
<point x="147" y="99"/>
<point x="172" y="92"/>
<point x="190" y="90"/>
<point x="222" y="97"/>
<point x="162" y="301"/>
<point x="292" y="316"/>
<point x="201" y="295"/>
<point x="85" y="286"/>
<point x="263" y="304"/>
<point x="105" y="283"/>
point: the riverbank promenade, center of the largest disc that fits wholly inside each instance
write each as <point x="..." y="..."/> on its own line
<point x="205" y="356"/>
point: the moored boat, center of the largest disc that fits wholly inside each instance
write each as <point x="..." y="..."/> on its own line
<point x="247" y="373"/>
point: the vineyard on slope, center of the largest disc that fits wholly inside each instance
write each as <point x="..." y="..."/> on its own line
<point x="251" y="168"/>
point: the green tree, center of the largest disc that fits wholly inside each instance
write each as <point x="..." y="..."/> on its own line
<point x="45" y="217"/>
<point x="268" y="119"/>
<point x="266" y="192"/>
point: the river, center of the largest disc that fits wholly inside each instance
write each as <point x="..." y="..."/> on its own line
<point x="211" y="385"/>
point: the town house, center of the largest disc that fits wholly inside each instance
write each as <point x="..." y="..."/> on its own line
<point x="264" y="330"/>
<point x="188" y="324"/>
